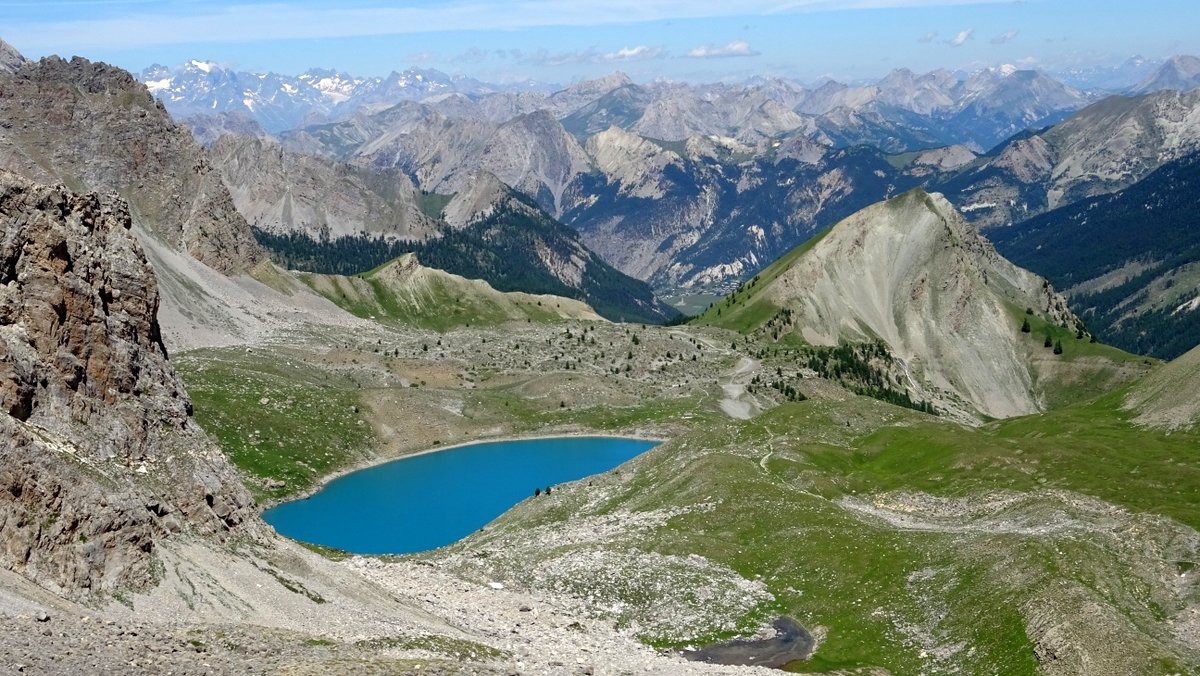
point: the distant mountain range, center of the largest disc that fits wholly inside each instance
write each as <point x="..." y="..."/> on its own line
<point x="692" y="186"/>
<point x="978" y="109"/>
<point x="281" y="102"/>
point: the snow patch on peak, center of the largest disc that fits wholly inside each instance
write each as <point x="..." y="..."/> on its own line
<point x="158" y="85"/>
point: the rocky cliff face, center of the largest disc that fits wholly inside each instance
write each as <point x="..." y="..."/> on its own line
<point x="100" y="456"/>
<point x="282" y="192"/>
<point x="91" y="126"/>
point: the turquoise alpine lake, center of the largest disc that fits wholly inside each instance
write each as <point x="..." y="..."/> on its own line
<point x="426" y="501"/>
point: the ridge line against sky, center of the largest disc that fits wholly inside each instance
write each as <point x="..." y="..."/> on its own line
<point x="557" y="40"/>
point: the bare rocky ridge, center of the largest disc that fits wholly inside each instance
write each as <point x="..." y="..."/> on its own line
<point x="412" y="293"/>
<point x="283" y="192"/>
<point x="484" y="195"/>
<point x="1180" y="72"/>
<point x="912" y="273"/>
<point x="101" y="456"/>
<point x="209" y="128"/>
<point x="1101" y="149"/>
<point x="10" y="59"/>
<point x="94" y="127"/>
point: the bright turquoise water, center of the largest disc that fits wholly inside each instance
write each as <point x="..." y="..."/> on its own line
<point x="427" y="501"/>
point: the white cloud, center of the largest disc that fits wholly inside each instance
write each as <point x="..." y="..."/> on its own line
<point x="544" y="57"/>
<point x="962" y="37"/>
<point x="1006" y="36"/>
<point x="638" y="53"/>
<point x="257" y="22"/>
<point x="735" y="48"/>
<point x="928" y="37"/>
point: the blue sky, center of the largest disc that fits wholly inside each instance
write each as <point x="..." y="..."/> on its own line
<point x="564" y="40"/>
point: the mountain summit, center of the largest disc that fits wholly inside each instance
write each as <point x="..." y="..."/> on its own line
<point x="1179" y="72"/>
<point x="911" y="273"/>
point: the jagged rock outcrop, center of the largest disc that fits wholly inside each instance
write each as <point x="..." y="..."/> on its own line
<point x="10" y="59"/>
<point x="99" y="455"/>
<point x="92" y="126"/>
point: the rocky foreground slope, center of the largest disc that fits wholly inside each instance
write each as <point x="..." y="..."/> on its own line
<point x="100" y="456"/>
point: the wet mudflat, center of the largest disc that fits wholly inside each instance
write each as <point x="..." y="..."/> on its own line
<point x="791" y="643"/>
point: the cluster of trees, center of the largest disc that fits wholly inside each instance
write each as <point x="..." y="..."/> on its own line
<point x="344" y="256"/>
<point x="789" y="391"/>
<point x="861" y="367"/>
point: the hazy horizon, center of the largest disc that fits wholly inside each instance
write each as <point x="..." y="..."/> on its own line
<point x="558" y="42"/>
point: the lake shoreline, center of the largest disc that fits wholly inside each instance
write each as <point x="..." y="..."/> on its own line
<point x="326" y="479"/>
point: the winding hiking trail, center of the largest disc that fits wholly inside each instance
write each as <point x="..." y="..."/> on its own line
<point x="737" y="404"/>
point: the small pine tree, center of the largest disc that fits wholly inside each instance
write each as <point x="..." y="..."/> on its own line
<point x="1049" y="342"/>
<point x="537" y="492"/>
<point x="1025" y="327"/>
<point x="1058" y="347"/>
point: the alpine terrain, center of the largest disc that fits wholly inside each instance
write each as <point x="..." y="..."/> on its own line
<point x="892" y="373"/>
